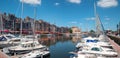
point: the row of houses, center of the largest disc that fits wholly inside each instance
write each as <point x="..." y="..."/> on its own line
<point x="12" y="23"/>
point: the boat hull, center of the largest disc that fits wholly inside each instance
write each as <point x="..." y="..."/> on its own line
<point x="21" y="51"/>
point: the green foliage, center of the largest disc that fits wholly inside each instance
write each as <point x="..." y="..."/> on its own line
<point x="92" y="31"/>
<point x="70" y="30"/>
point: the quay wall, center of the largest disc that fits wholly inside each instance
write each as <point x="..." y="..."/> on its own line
<point x="116" y="39"/>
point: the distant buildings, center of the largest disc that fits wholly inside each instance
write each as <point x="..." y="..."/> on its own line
<point x="13" y="24"/>
<point x="75" y="30"/>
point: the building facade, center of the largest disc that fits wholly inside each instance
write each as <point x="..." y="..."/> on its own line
<point x="12" y="23"/>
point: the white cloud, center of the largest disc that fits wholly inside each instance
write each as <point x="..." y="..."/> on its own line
<point x="73" y="22"/>
<point x="74" y="1"/>
<point x="92" y="18"/>
<point x="107" y="3"/>
<point x="56" y="4"/>
<point x="107" y="18"/>
<point x="33" y="2"/>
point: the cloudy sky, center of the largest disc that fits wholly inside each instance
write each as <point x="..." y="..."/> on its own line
<point x="67" y="12"/>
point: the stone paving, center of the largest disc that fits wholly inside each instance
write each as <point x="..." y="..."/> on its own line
<point x="3" y="55"/>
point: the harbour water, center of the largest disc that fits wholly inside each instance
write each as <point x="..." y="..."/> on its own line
<point x="60" y="46"/>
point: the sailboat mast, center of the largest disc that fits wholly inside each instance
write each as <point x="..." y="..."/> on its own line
<point x="33" y="26"/>
<point x="99" y="25"/>
<point x="21" y="20"/>
<point x="34" y="21"/>
<point x="95" y="12"/>
<point x="97" y="21"/>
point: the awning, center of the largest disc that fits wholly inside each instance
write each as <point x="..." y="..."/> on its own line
<point x="6" y="30"/>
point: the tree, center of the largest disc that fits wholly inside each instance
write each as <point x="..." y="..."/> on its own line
<point x="92" y="31"/>
<point x="70" y="30"/>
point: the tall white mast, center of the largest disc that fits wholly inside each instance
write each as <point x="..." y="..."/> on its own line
<point x="97" y="19"/>
<point x="21" y="20"/>
<point x="33" y="25"/>
<point x="34" y="20"/>
<point x="99" y="25"/>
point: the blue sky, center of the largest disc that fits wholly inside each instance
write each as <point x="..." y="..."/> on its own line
<point x="67" y="13"/>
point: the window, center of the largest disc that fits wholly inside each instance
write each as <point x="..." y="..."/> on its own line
<point x="95" y="49"/>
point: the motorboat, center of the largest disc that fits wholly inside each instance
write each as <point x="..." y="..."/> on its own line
<point x="7" y="40"/>
<point x="97" y="50"/>
<point x="26" y="47"/>
<point x="94" y="52"/>
<point x="93" y="41"/>
<point x="85" y="41"/>
<point x="95" y="46"/>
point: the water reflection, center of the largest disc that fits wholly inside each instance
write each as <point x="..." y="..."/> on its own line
<point x="60" y="46"/>
<point x="52" y="40"/>
<point x="76" y="39"/>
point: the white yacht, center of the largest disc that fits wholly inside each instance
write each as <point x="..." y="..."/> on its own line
<point x="7" y="40"/>
<point x="25" y="47"/>
<point x="93" y="41"/>
<point x="94" y="52"/>
<point x="97" y="50"/>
